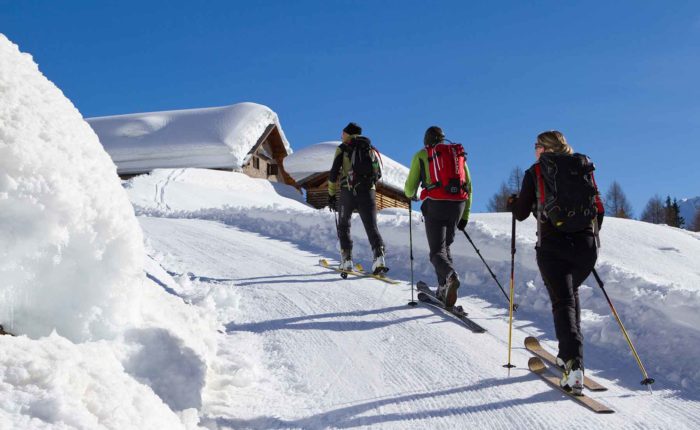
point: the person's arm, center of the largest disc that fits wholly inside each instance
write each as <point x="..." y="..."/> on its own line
<point x="414" y="178"/>
<point x="470" y="193"/>
<point x="522" y="206"/>
<point x="335" y="172"/>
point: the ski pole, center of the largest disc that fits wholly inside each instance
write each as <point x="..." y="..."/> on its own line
<point x="512" y="288"/>
<point x="410" y="240"/>
<point x="647" y="380"/>
<point x="515" y="305"/>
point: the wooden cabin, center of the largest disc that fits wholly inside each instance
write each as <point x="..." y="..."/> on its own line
<point x="265" y="159"/>
<point x="316" y="188"/>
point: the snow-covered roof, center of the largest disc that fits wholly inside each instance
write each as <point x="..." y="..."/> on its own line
<point x="318" y="158"/>
<point x="218" y="137"/>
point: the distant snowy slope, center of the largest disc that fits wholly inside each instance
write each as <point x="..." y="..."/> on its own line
<point x="319" y="158"/>
<point x="218" y="137"/>
<point x="194" y="189"/>
<point x="689" y="208"/>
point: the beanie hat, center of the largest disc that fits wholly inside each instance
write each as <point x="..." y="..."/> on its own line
<point x="352" y="129"/>
<point x="433" y="136"/>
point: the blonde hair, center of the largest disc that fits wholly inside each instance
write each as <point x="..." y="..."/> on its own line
<point x="554" y="141"/>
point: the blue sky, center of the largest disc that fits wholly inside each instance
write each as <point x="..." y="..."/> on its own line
<point x="619" y="79"/>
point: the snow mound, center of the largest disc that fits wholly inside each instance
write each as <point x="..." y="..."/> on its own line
<point x="218" y="137"/>
<point x="72" y="252"/>
<point x="53" y="383"/>
<point x="193" y="189"/>
<point x="319" y="158"/>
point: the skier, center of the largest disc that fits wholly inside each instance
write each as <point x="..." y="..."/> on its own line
<point x="442" y="171"/>
<point x="565" y="258"/>
<point x="355" y="171"/>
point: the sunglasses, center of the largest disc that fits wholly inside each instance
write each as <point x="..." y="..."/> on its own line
<point x="539" y="145"/>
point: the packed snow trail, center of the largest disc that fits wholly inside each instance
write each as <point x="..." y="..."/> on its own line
<point x="650" y="270"/>
<point x="302" y="348"/>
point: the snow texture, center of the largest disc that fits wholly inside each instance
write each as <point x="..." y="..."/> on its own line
<point x="218" y="137"/>
<point x="319" y="158"/>
<point x="101" y="343"/>
<point x="71" y="256"/>
<point x="649" y="270"/>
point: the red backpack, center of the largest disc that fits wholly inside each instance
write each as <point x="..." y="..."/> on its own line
<point x="447" y="177"/>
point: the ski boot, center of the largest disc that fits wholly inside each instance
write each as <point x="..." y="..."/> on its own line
<point x="346" y="262"/>
<point x="379" y="265"/>
<point x="450" y="288"/>
<point x="572" y="377"/>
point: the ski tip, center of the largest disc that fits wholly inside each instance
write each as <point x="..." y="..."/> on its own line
<point x="323" y="262"/>
<point x="532" y="343"/>
<point x="536" y="365"/>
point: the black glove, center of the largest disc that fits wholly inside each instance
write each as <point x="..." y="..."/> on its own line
<point x="332" y="200"/>
<point x="462" y="224"/>
<point x="510" y="203"/>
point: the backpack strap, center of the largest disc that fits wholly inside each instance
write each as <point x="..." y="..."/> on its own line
<point x="539" y="198"/>
<point x="601" y="209"/>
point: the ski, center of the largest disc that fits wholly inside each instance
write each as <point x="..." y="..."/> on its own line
<point x="432" y="301"/>
<point x="424" y="288"/>
<point x="533" y="345"/>
<point x="359" y="272"/>
<point x="538" y="367"/>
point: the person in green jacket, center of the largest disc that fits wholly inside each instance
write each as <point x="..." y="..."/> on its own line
<point x="446" y="197"/>
<point x="355" y="170"/>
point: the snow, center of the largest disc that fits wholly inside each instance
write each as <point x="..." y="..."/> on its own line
<point x="319" y="158"/>
<point x="93" y="326"/>
<point x="218" y="137"/>
<point x="208" y="309"/>
<point x="68" y="232"/>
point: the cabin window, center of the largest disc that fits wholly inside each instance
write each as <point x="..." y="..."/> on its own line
<point x="271" y="169"/>
<point x="256" y="163"/>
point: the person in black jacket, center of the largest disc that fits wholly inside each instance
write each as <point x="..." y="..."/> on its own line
<point x="357" y="195"/>
<point x="565" y="260"/>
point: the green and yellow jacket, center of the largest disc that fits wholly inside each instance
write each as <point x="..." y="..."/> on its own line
<point x="419" y="175"/>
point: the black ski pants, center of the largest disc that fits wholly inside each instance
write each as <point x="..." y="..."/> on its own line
<point x="364" y="202"/>
<point x="565" y="261"/>
<point x="441" y="218"/>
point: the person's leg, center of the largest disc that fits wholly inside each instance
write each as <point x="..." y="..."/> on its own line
<point x="454" y="213"/>
<point x="436" y="231"/>
<point x="367" y="207"/>
<point x="585" y="254"/>
<point x="346" y="205"/>
<point x="556" y="274"/>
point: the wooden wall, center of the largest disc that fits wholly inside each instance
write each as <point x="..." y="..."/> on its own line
<point x="317" y="196"/>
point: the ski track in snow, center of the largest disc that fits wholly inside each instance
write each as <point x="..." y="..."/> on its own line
<point x="304" y="349"/>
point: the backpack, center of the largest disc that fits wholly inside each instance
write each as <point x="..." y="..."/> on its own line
<point x="448" y="179"/>
<point x="566" y="192"/>
<point x="364" y="158"/>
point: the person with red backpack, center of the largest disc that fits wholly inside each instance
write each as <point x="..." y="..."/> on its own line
<point x="560" y="191"/>
<point x="356" y="169"/>
<point x="441" y="168"/>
